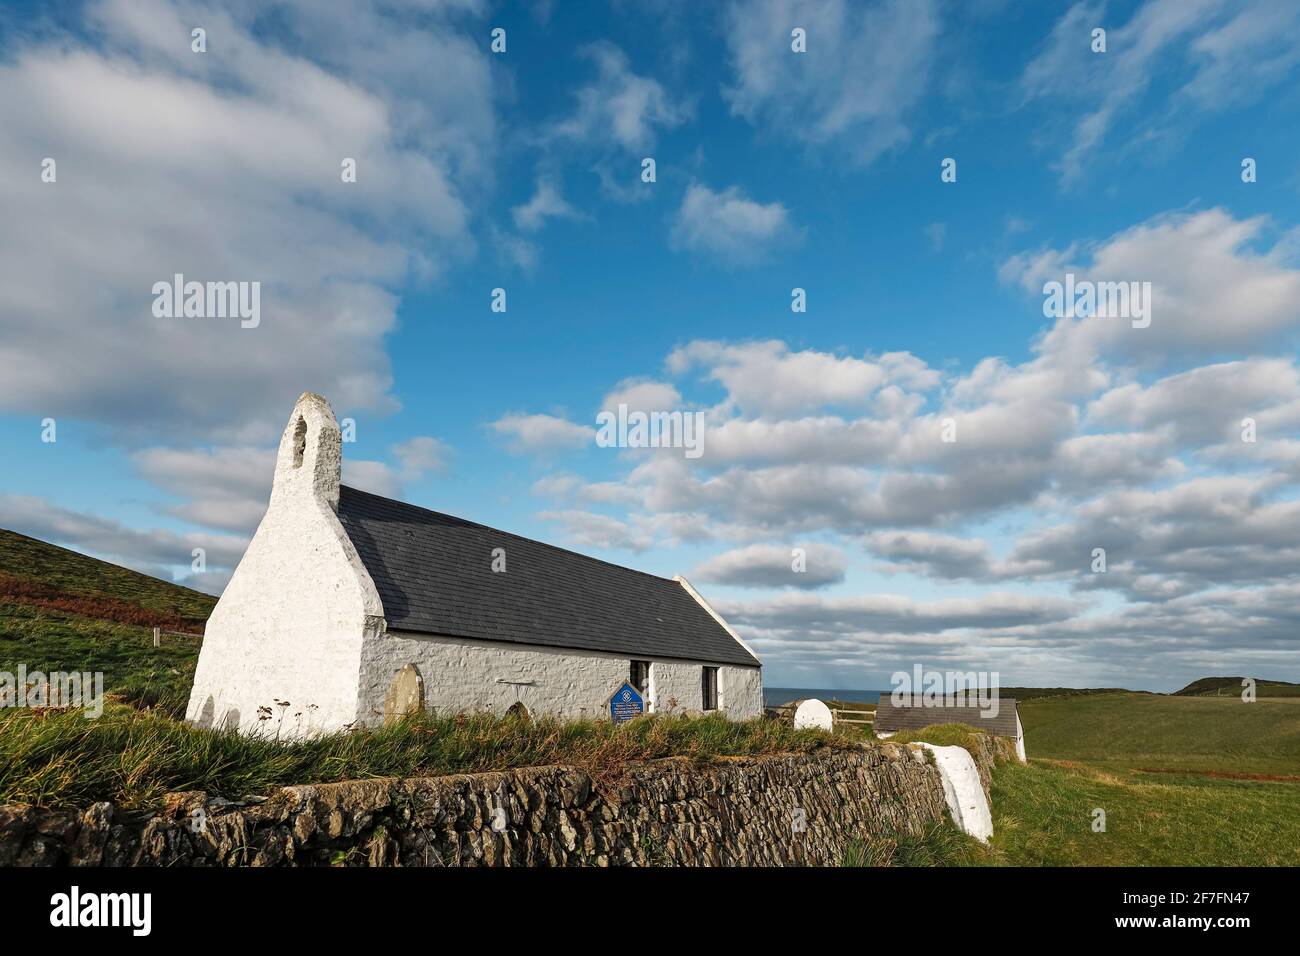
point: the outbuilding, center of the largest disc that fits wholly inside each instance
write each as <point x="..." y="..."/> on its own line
<point x="918" y="711"/>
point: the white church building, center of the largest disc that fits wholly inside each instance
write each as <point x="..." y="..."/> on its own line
<point x="349" y="608"/>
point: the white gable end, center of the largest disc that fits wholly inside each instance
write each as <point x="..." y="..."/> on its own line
<point x="288" y="631"/>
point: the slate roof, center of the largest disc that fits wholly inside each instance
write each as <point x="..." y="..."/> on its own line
<point x="433" y="573"/>
<point x="912" y="716"/>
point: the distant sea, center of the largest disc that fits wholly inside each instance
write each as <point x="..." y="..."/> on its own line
<point x="775" y="696"/>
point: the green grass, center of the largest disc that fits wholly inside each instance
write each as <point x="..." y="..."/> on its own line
<point x="63" y="611"/>
<point x="1183" y="781"/>
<point x="134" y="670"/>
<point x="1202" y="809"/>
<point x="939" y="844"/>
<point x="134" y="758"/>
<point x="941" y="735"/>
<point x="1043" y="816"/>
<point x="1157" y="732"/>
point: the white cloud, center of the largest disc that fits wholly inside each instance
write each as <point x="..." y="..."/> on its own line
<point x="866" y="69"/>
<point x="592" y="530"/>
<point x="226" y="488"/>
<point x="421" y="455"/>
<point x="1211" y="292"/>
<point x="1231" y="52"/>
<point x="938" y="555"/>
<point x="643" y="395"/>
<point x="767" y="377"/>
<point x="773" y="566"/>
<point x="810" y="617"/>
<point x="541" y="433"/>
<point x="729" y="226"/>
<point x="546" y="203"/>
<point x="619" y="105"/>
<point x="1205" y="404"/>
<point x="225" y="167"/>
<point x="152" y="552"/>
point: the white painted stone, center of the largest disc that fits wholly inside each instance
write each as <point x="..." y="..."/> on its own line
<point x="302" y="623"/>
<point x="967" y="804"/>
<point x="290" y="625"/>
<point x="813" y="713"/>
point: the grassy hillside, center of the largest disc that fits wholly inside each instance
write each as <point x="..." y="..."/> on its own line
<point x="60" y="610"/>
<point x="27" y="559"/>
<point x="1043" y="816"/>
<point x="1037" y="693"/>
<point x="1231" y="687"/>
<point x="1153" y="732"/>
<point x="1197" y="781"/>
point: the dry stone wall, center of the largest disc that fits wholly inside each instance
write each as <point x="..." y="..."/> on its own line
<point x="755" y="811"/>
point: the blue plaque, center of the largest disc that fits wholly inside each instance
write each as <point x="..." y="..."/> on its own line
<point x="626" y="703"/>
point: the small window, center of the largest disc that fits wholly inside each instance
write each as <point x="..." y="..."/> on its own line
<point x="709" y="688"/>
<point x="639" y="676"/>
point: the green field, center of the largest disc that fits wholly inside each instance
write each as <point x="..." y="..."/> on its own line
<point x="63" y="611"/>
<point x="1197" y="781"/>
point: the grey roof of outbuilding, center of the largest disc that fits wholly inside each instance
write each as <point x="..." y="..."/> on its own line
<point x="913" y="716"/>
<point x="434" y="575"/>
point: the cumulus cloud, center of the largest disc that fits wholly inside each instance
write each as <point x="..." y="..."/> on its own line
<point x="643" y="395"/>
<point x="153" y="552"/>
<point x="541" y="433"/>
<point x="546" y="203"/>
<point x="228" y="488"/>
<point x="937" y="555"/>
<point x="589" y="529"/>
<point x="248" y="147"/>
<point x="1211" y="292"/>
<point x="1205" y="404"/>
<point x="767" y="377"/>
<point x="729" y="226"/>
<point x="807" y="617"/>
<point x="619" y="104"/>
<point x="764" y="565"/>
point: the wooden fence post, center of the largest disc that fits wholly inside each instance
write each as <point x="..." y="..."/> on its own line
<point x="157" y="637"/>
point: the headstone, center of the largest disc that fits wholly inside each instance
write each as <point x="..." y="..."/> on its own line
<point x="405" y="695"/>
<point x="813" y="713"/>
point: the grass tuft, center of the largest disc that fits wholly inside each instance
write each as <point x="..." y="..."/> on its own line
<point x="942" y="735"/>
<point x="938" y="844"/>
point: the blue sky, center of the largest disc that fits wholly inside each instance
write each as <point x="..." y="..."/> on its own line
<point x="775" y="170"/>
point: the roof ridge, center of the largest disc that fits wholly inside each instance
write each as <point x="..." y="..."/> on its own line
<point x="509" y="534"/>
